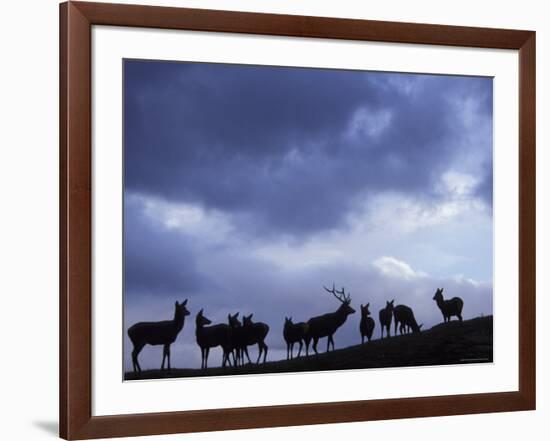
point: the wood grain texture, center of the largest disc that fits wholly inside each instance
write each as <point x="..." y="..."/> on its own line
<point x="527" y="219"/>
<point x="298" y="26"/>
<point x="76" y="420"/>
<point x="75" y="203"/>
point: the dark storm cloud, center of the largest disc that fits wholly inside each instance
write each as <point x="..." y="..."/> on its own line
<point x="277" y="144"/>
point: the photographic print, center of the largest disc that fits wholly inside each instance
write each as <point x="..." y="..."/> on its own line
<point x="287" y="219"/>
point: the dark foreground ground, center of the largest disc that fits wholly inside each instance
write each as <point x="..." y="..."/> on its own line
<point x="451" y="343"/>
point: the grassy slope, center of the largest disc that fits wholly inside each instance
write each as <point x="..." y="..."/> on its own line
<point x="451" y="343"/>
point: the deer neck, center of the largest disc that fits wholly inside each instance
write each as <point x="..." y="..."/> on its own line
<point x="340" y="315"/>
<point x="200" y="327"/>
<point x="178" y="320"/>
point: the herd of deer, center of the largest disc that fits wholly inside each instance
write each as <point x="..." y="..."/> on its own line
<point x="234" y="337"/>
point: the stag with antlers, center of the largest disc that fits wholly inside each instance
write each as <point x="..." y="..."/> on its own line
<point x="326" y="325"/>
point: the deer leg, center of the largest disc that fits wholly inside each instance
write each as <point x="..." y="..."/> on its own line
<point x="168" y="355"/>
<point x="300" y="349"/>
<point x="247" y="356"/>
<point x="134" y="360"/>
<point x="260" y="348"/>
<point x="135" y="353"/>
<point x="227" y="357"/>
<point x="332" y="342"/>
<point x="206" y="352"/>
<point x="306" y="341"/>
<point x="459" y="317"/>
<point x="314" y="346"/>
<point x="265" y="351"/>
<point x="163" y="357"/>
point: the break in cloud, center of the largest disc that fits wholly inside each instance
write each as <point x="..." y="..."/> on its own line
<point x="247" y="188"/>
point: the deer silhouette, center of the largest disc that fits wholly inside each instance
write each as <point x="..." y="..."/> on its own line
<point x="385" y="316"/>
<point x="294" y="333"/>
<point x="237" y="338"/>
<point x="326" y="325"/>
<point x="157" y="333"/>
<point x="404" y="318"/>
<point x="366" y="326"/>
<point x="253" y="333"/>
<point x="448" y="307"/>
<point x="211" y="337"/>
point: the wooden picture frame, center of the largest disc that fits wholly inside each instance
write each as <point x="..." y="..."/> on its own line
<point x="76" y="420"/>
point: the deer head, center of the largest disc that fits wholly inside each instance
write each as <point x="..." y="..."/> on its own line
<point x="180" y="310"/>
<point x="438" y="296"/>
<point x="288" y="321"/>
<point x="233" y="321"/>
<point x="365" y="310"/>
<point x="389" y="305"/>
<point x="201" y="320"/>
<point x="247" y="320"/>
<point x="343" y="298"/>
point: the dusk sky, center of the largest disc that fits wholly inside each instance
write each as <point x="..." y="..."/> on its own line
<point x="248" y="188"/>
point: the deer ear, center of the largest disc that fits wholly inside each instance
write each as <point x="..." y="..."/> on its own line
<point x="184" y="302"/>
<point x="177" y="304"/>
<point x="368" y="304"/>
<point x="236" y="315"/>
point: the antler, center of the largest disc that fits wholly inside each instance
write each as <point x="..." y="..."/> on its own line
<point x="340" y="295"/>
